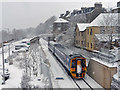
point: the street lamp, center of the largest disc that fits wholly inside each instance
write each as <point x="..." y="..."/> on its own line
<point x="3" y="60"/>
<point x="3" y="63"/>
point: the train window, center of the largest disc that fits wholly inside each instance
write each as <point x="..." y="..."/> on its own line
<point x="73" y="64"/>
<point x="83" y="63"/>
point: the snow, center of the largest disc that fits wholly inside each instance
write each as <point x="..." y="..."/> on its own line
<point x="116" y="76"/>
<point x="105" y="63"/>
<point x="106" y="37"/>
<point x="104" y="20"/>
<point x="82" y="26"/>
<point x="15" y="73"/>
<point x="56" y="70"/>
<point x="61" y="20"/>
<point x="15" y="78"/>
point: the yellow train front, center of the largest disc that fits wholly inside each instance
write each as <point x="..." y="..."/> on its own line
<point x="75" y="64"/>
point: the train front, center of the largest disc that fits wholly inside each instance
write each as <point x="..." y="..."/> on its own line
<point x="78" y="67"/>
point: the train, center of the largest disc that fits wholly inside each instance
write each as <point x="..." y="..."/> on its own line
<point x="74" y="63"/>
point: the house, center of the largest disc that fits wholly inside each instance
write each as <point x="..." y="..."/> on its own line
<point x="60" y="26"/>
<point x="80" y="35"/>
<point x="105" y="23"/>
<point x="89" y="13"/>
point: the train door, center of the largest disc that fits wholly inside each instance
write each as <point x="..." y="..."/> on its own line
<point x="79" y="67"/>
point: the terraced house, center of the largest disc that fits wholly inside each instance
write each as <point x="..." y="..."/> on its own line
<point x="105" y="23"/>
<point x="80" y="35"/>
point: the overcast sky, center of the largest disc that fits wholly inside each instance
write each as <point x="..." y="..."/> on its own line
<point x="29" y="14"/>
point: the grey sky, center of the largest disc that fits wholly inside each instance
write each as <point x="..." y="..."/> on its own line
<point x="30" y="14"/>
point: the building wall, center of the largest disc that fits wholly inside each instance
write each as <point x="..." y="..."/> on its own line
<point x="90" y="32"/>
<point x="80" y="38"/>
<point x="101" y="73"/>
<point x="77" y="37"/>
<point x="83" y="39"/>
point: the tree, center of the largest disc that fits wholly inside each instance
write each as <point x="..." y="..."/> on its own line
<point x="109" y="26"/>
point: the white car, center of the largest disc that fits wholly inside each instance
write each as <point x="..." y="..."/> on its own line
<point x="23" y="49"/>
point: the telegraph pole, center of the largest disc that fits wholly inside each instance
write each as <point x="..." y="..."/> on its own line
<point x="9" y="52"/>
<point x="3" y="63"/>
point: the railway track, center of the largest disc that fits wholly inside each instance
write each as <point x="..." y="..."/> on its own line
<point x="80" y="84"/>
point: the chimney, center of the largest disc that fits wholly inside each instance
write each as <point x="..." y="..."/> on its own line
<point x="98" y="5"/>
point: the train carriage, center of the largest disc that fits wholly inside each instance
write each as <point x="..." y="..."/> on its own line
<point x="74" y="63"/>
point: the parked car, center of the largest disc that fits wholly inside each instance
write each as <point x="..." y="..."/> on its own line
<point x="17" y="47"/>
<point x="23" y="49"/>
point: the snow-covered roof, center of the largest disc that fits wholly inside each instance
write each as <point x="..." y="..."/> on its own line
<point x="105" y="63"/>
<point x="61" y="20"/>
<point x="115" y="7"/>
<point x="106" y="37"/>
<point x="106" y="19"/>
<point x="82" y="26"/>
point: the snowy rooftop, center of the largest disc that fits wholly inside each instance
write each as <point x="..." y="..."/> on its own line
<point x="106" y="37"/>
<point x="105" y="63"/>
<point x="115" y="7"/>
<point x="106" y="19"/>
<point x="82" y="26"/>
<point x="61" y="20"/>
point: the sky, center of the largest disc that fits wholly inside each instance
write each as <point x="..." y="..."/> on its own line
<point x="21" y="14"/>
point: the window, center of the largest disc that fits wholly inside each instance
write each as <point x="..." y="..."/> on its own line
<point x="91" y="32"/>
<point x="88" y="44"/>
<point x="91" y="45"/>
<point x="81" y="33"/>
<point x="73" y="64"/>
<point x="82" y="42"/>
<point x="88" y="31"/>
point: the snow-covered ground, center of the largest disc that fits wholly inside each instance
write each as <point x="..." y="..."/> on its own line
<point x="15" y="73"/>
<point x="58" y="71"/>
<point x="15" y="78"/>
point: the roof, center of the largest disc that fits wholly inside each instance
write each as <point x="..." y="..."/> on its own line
<point x="106" y="19"/>
<point x="105" y="37"/>
<point x="61" y="20"/>
<point x="82" y="26"/>
<point x="105" y="63"/>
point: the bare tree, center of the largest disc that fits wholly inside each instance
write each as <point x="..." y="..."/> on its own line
<point x="109" y="26"/>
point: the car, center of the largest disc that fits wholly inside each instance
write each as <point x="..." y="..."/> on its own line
<point x="17" y="47"/>
<point x="24" y="49"/>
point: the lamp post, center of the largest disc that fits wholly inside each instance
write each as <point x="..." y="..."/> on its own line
<point x="3" y="63"/>
<point x="3" y="60"/>
<point x="8" y="45"/>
